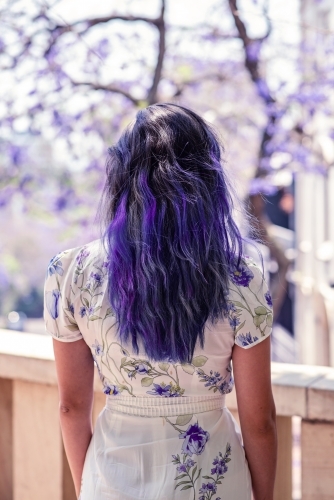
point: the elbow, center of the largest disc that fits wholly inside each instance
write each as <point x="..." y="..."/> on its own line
<point x="73" y="406"/>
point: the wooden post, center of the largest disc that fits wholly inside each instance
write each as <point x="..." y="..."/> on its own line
<point x="6" y="439"/>
<point x="37" y="451"/>
<point x="283" y="485"/>
<point x="317" y="441"/>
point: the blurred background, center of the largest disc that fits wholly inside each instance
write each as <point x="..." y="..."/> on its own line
<point x="73" y="74"/>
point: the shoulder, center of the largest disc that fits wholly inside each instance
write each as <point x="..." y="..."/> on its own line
<point x="76" y="259"/>
<point x="249" y="303"/>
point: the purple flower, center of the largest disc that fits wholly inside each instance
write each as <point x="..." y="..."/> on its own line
<point x="242" y="275"/>
<point x="52" y="303"/>
<point x="160" y="390"/>
<point x="55" y="266"/>
<point x="234" y="321"/>
<point x="98" y="348"/>
<point x="97" y="278"/>
<point x="181" y="468"/>
<point x="208" y="488"/>
<point x="245" y="339"/>
<point x="70" y="307"/>
<point x="268" y="298"/>
<point x="226" y="387"/>
<point x="105" y="264"/>
<point x="195" y="439"/>
<point x="141" y="368"/>
<point x="111" y="390"/>
<point x="82" y="311"/>
<point x="82" y="255"/>
<point x="219" y="469"/>
<point x="190" y="462"/>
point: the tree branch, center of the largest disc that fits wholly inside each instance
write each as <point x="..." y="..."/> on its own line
<point x="106" y="88"/>
<point x="152" y="94"/>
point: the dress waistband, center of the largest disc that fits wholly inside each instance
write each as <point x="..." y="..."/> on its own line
<point x="164" y="407"/>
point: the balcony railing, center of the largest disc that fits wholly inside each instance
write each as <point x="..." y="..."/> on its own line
<point x="32" y="458"/>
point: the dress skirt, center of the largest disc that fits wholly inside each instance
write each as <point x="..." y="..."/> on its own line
<point x="173" y="450"/>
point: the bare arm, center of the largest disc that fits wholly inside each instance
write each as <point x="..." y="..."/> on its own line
<point x="75" y="371"/>
<point x="257" y="414"/>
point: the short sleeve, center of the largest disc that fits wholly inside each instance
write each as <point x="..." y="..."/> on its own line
<point x="250" y="311"/>
<point x="60" y="298"/>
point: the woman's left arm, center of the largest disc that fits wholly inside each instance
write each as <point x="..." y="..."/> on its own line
<point x="75" y="371"/>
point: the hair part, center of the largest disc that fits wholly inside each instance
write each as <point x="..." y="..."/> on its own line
<point x="170" y="235"/>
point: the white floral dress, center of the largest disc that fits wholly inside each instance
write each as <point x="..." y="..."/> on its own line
<point x="165" y="432"/>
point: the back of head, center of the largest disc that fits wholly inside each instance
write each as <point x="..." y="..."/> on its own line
<point x="170" y="237"/>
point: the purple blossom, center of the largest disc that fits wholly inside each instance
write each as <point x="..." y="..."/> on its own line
<point x="97" y="278"/>
<point x="160" y="390"/>
<point x="52" y="303"/>
<point x="83" y="311"/>
<point x="268" y="298"/>
<point x="245" y="339"/>
<point x="181" y="468"/>
<point x="195" y="439"/>
<point x="71" y="308"/>
<point x="242" y="275"/>
<point x="55" y="266"/>
<point x="141" y="368"/>
<point x="111" y="390"/>
<point x="208" y="488"/>
<point x="98" y="348"/>
<point x="82" y="255"/>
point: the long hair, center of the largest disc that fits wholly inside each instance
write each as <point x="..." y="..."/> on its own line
<point x="170" y="236"/>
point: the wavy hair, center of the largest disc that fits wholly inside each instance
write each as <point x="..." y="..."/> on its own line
<point x="170" y="236"/>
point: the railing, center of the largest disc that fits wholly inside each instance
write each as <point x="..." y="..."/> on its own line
<point x="33" y="463"/>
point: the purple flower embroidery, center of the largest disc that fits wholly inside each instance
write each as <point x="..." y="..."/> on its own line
<point x="242" y="275"/>
<point x="181" y="468"/>
<point x="52" y="303"/>
<point x="208" y="488"/>
<point x="82" y="311"/>
<point x="98" y="348"/>
<point x="82" y="255"/>
<point x="111" y="390"/>
<point x="160" y="390"/>
<point x="97" y="278"/>
<point x="245" y="339"/>
<point x="55" y="266"/>
<point x="268" y="298"/>
<point x="70" y="307"/>
<point x="141" y="368"/>
<point x="195" y="439"/>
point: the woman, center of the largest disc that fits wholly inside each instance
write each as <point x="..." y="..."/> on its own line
<point x="162" y="304"/>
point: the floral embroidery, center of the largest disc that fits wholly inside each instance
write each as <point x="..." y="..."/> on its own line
<point x="195" y="439"/>
<point x="52" y="303"/>
<point x="268" y="298"/>
<point x="242" y="275"/>
<point x="55" y="266"/>
<point x="98" y="348"/>
<point x="245" y="339"/>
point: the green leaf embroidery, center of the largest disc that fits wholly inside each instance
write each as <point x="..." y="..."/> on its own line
<point x="147" y="381"/>
<point x="164" y="366"/>
<point x="258" y="320"/>
<point x="85" y="301"/>
<point x="186" y="487"/>
<point x="94" y="318"/>
<point x="269" y="320"/>
<point x="260" y="310"/>
<point x="240" y="326"/>
<point x="199" y="361"/>
<point x="182" y="482"/>
<point x="183" y="419"/>
<point x="180" y="477"/>
<point x="188" y="368"/>
<point x="193" y="472"/>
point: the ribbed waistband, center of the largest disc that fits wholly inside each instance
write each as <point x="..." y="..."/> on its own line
<point x="164" y="407"/>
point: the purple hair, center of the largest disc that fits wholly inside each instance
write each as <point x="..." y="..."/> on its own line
<point x="170" y="237"/>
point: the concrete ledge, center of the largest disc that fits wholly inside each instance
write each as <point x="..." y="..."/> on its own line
<point x="303" y="390"/>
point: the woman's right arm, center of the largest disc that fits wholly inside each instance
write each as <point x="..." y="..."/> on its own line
<point x="256" y="407"/>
